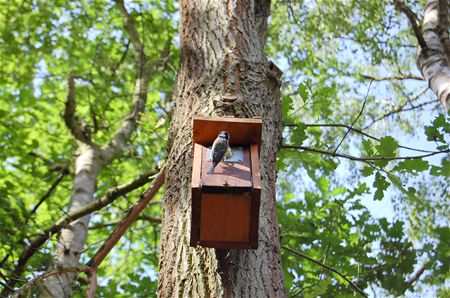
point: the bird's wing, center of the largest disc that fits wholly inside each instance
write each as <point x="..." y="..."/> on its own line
<point x="219" y="153"/>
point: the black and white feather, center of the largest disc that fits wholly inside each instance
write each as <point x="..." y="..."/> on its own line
<point x="219" y="149"/>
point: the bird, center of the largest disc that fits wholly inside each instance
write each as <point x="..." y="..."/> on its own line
<point x="219" y="148"/>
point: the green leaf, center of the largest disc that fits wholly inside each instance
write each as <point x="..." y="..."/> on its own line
<point x="286" y="106"/>
<point x="324" y="184"/>
<point x="444" y="170"/>
<point x="367" y="171"/>
<point x="387" y="147"/>
<point x="381" y="185"/>
<point x="368" y="148"/>
<point x="299" y="134"/>
<point x="413" y="166"/>
<point x="303" y="91"/>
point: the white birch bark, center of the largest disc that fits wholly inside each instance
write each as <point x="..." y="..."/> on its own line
<point x="432" y="61"/>
<point x="72" y="238"/>
<point x="92" y="159"/>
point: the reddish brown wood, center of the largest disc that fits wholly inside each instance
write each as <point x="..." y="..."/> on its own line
<point x="243" y="131"/>
<point x="196" y="166"/>
<point x="256" y="195"/>
<point x="195" y="216"/>
<point x="254" y="217"/>
<point x="226" y="245"/>
<point x="225" y="204"/>
<point x="225" y="217"/>
<point x="227" y="174"/>
<point x="256" y="174"/>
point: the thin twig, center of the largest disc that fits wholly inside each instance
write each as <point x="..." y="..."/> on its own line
<point x="365" y="159"/>
<point x="398" y="110"/>
<point x="352" y="284"/>
<point x="357" y="117"/>
<point x="43" y="276"/>
<point x="151" y="219"/>
<point x="122" y="59"/>
<point x="356" y="131"/>
<point x="48" y="193"/>
<point x="52" y="166"/>
<point x="131" y="217"/>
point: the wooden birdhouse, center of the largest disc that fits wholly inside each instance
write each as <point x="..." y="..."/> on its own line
<point x="225" y="204"/>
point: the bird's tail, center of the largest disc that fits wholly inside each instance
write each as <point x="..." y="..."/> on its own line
<point x="211" y="170"/>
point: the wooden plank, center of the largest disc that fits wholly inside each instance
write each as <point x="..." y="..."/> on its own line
<point x="256" y="196"/>
<point x="225" y="218"/>
<point x="254" y="216"/>
<point x="225" y="244"/>
<point x="256" y="174"/>
<point x="196" y="165"/>
<point x="227" y="175"/>
<point x="195" y="217"/>
<point x="243" y="131"/>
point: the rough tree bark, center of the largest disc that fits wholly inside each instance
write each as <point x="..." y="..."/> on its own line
<point x="433" y="61"/>
<point x="223" y="72"/>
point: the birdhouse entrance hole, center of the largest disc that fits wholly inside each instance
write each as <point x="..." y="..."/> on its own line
<point x="225" y="204"/>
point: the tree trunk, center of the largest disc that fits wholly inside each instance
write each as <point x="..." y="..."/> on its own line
<point x="223" y="72"/>
<point x="73" y="237"/>
<point x="91" y="159"/>
<point x="433" y="61"/>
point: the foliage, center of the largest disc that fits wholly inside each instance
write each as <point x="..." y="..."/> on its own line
<point x="338" y="104"/>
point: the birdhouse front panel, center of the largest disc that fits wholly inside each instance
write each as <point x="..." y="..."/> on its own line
<point x="225" y="218"/>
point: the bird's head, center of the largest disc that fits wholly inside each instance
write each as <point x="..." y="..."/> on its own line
<point x="224" y="135"/>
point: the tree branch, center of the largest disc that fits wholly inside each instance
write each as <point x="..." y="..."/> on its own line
<point x="43" y="276"/>
<point x="92" y="284"/>
<point x="414" y="22"/>
<point x="399" y="77"/>
<point x="399" y="109"/>
<point x="72" y="123"/>
<point x="48" y="192"/>
<point x="63" y="167"/>
<point x="131" y="217"/>
<point x="356" y="131"/>
<point x="130" y="27"/>
<point x="110" y="196"/>
<point x="356" y="119"/>
<point x="139" y="98"/>
<point x="417" y="274"/>
<point x="365" y="159"/>
<point x="115" y="222"/>
<point x="122" y="59"/>
<point x="352" y="284"/>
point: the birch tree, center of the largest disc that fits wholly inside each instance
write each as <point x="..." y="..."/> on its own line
<point x="433" y="53"/>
